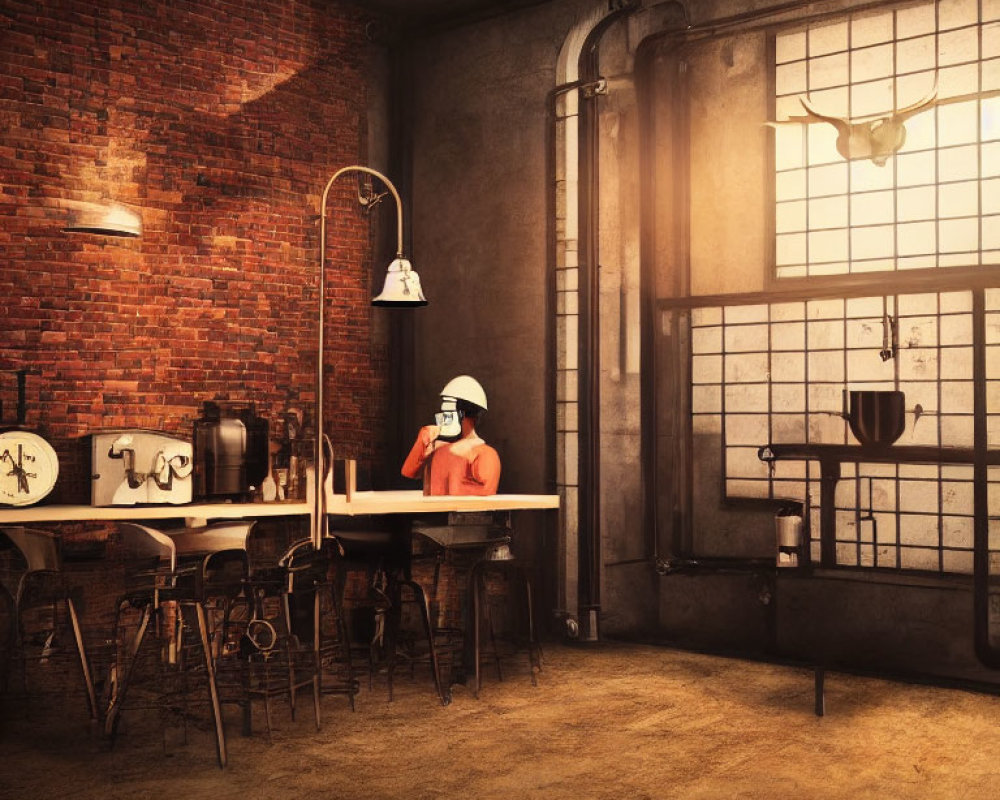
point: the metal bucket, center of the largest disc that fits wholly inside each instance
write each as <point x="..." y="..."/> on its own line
<point x="789" y="530"/>
<point x="788" y="535"/>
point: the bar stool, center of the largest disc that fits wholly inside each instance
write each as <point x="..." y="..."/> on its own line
<point x="453" y="550"/>
<point x="195" y="571"/>
<point x="143" y="554"/>
<point x="42" y="611"/>
<point x="383" y="555"/>
<point x="8" y="631"/>
<point x="315" y="615"/>
<point x="204" y="593"/>
<point x="479" y="549"/>
<point x="519" y="594"/>
<point x="267" y="655"/>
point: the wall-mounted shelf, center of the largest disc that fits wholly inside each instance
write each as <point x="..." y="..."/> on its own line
<point x="852" y="453"/>
<point x="831" y="456"/>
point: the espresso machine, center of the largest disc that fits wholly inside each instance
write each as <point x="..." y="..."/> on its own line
<point x="139" y="467"/>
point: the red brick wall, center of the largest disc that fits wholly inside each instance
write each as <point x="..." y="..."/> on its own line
<point x="220" y="122"/>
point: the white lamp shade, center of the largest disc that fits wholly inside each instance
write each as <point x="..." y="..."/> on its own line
<point x="106" y="220"/>
<point x="402" y="287"/>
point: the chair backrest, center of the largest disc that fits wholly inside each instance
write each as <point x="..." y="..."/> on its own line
<point x="267" y="541"/>
<point x="140" y="541"/>
<point x="307" y="567"/>
<point x="41" y="581"/>
<point x="223" y="573"/>
<point x="211" y="538"/>
<point x="39" y="548"/>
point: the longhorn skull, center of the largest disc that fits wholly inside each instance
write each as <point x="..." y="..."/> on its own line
<point x="875" y="138"/>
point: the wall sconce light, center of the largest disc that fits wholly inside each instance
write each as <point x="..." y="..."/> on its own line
<point x="401" y="290"/>
<point x="105" y="219"/>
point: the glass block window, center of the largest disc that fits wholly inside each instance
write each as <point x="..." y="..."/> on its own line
<point x="776" y="373"/>
<point x="860" y="190"/>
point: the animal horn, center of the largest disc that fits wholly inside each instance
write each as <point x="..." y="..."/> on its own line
<point x="923" y="102"/>
<point x="812" y="110"/>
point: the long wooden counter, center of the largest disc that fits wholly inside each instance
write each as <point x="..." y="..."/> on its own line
<point x="21" y="515"/>
<point x="415" y="502"/>
<point x="389" y="502"/>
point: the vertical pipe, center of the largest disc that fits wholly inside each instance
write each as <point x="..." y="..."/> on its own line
<point x="651" y="351"/>
<point x="589" y="565"/>
<point x="589" y="351"/>
<point x="648" y="395"/>
<point x="829" y="477"/>
<point x="985" y="651"/>
<point x="22" y="410"/>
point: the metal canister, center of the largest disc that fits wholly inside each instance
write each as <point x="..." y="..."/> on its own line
<point x="788" y="533"/>
<point x="230" y="451"/>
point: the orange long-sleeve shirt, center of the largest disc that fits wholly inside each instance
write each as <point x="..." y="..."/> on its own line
<point x="468" y="466"/>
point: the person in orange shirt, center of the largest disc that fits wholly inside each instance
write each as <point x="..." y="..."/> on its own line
<point x="449" y="455"/>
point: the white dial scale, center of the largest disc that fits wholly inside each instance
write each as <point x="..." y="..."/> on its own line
<point x="28" y="468"/>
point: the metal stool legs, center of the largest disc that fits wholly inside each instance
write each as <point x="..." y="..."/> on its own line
<point x="481" y="611"/>
<point x="393" y="624"/>
<point x="125" y="656"/>
<point x="125" y="666"/>
<point x="82" y="653"/>
<point x="213" y="689"/>
<point x="53" y="595"/>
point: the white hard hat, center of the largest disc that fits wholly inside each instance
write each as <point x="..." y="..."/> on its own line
<point x="467" y="388"/>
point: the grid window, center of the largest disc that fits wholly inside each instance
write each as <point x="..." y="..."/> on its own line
<point x="887" y="141"/>
<point x="776" y="373"/>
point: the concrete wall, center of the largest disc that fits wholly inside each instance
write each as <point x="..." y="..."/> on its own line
<point x="727" y="86"/>
<point x="480" y="180"/>
<point x="479" y="226"/>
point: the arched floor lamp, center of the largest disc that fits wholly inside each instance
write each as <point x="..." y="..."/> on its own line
<point x="401" y="290"/>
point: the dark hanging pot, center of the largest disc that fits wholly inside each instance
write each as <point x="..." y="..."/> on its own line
<point x="877" y="418"/>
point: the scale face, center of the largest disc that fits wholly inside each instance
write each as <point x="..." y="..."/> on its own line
<point x="28" y="468"/>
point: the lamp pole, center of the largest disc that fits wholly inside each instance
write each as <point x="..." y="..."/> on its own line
<point x="319" y="510"/>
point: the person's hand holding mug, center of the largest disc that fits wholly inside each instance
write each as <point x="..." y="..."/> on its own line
<point x="429" y="435"/>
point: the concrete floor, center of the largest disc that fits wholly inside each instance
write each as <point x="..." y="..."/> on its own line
<point x="605" y="721"/>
